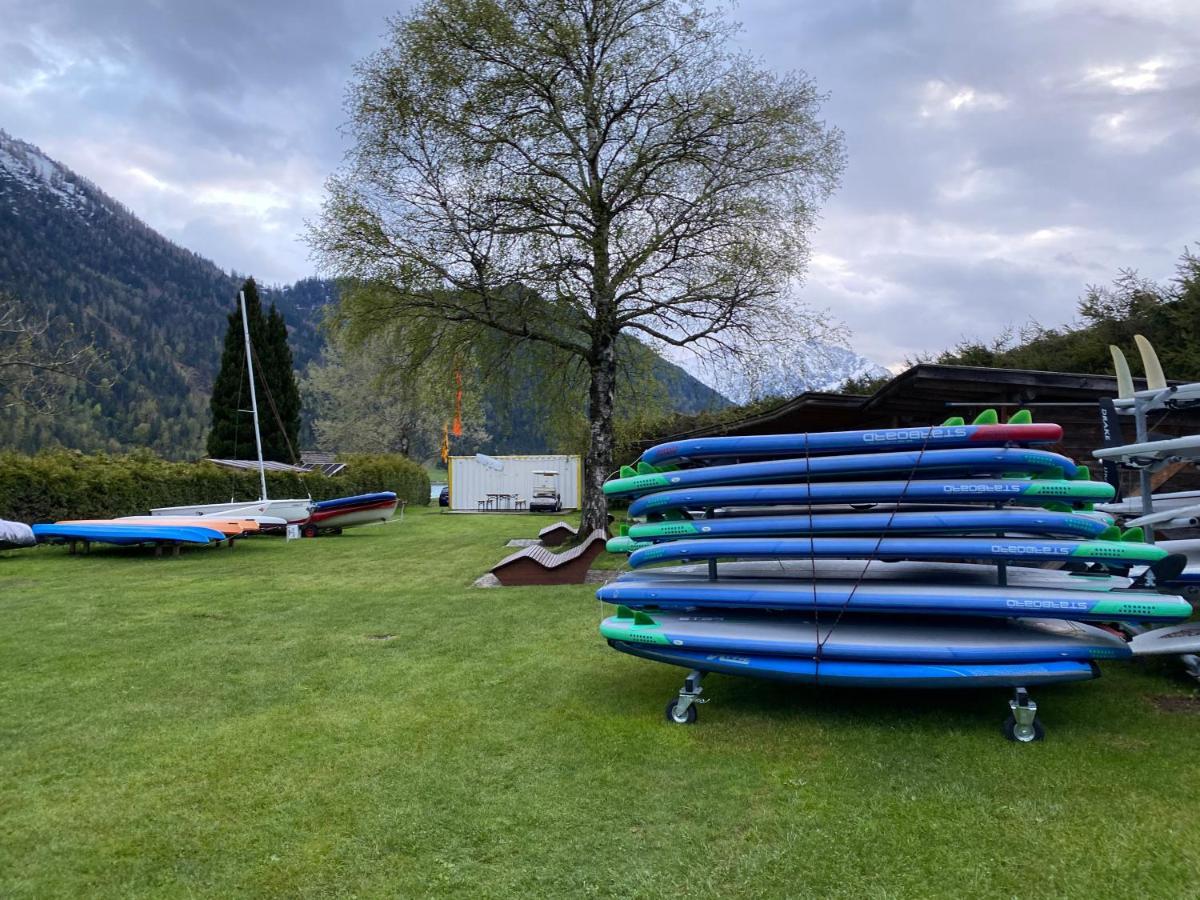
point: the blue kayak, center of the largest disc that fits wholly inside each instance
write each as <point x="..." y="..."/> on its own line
<point x="922" y="463"/>
<point x="1112" y="553"/>
<point x="851" y="673"/>
<point x="868" y="595"/>
<point x="127" y="534"/>
<point x="939" y="437"/>
<point x="1026" y="521"/>
<point x="1021" y="492"/>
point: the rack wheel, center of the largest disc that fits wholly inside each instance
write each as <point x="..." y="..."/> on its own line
<point x="309" y="531"/>
<point x="1023" y="734"/>
<point x="688" y="718"/>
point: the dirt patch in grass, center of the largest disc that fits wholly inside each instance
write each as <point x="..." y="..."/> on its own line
<point x="1171" y="703"/>
<point x="380" y="637"/>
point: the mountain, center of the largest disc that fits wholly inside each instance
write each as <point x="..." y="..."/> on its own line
<point x="805" y="366"/>
<point x="71" y="254"/>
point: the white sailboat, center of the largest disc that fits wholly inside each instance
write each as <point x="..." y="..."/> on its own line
<point x="293" y="512"/>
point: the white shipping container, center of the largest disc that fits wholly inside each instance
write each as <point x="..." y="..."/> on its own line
<point x="472" y="478"/>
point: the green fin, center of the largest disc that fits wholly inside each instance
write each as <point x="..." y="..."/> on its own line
<point x="623" y="530"/>
<point x="1083" y="473"/>
<point x="1111" y="533"/>
<point x="640" y="618"/>
<point x="628" y="471"/>
<point x="644" y="468"/>
<point x="669" y="468"/>
<point x="954" y="421"/>
<point x="987" y="417"/>
<point x="1021" y="417"/>
<point x="624" y="612"/>
<point x="1059" y="507"/>
<point x="1136" y="534"/>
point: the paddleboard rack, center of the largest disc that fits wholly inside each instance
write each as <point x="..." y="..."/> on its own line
<point x="1021" y="726"/>
<point x="1158" y="396"/>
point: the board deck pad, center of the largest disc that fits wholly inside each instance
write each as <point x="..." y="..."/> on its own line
<point x="897" y="598"/>
<point x="880" y="439"/>
<point x="871" y="637"/>
<point x="854" y="673"/>
<point x="1025" y="521"/>
<point x="1114" y="553"/>
<point x="981" y="490"/>
<point x="968" y="461"/>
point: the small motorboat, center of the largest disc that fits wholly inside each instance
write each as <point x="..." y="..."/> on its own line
<point x="347" y="512"/>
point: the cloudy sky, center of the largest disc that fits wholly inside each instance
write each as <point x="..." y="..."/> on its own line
<point x="1002" y="154"/>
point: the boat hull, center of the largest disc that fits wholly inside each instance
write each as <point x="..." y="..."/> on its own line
<point x="293" y="512"/>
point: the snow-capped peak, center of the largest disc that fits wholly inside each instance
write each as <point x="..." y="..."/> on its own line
<point x="806" y="366"/>
<point x="32" y="169"/>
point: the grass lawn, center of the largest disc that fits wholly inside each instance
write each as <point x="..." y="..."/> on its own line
<point x="348" y="716"/>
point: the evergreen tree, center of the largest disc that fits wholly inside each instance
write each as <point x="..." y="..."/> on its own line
<point x="280" y="375"/>
<point x="232" y="434"/>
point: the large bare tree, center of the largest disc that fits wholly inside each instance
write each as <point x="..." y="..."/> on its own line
<point x="564" y="171"/>
<point x="40" y="359"/>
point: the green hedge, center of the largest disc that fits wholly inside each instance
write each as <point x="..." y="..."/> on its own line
<point x="59" y="485"/>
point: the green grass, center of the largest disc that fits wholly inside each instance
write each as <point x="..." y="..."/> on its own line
<point x="236" y="723"/>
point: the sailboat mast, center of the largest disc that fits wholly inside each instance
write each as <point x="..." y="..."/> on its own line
<point x="262" y="470"/>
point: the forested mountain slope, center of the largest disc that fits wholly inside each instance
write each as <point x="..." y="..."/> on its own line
<point x="71" y="254"/>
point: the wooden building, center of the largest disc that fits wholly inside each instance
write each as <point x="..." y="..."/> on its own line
<point x="928" y="394"/>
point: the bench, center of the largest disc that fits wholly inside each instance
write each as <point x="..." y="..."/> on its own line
<point x="537" y="565"/>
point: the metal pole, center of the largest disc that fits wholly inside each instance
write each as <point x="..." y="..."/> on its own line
<point x="1147" y="488"/>
<point x="262" y="470"/>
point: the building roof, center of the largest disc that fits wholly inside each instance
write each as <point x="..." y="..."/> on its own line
<point x="925" y="394"/>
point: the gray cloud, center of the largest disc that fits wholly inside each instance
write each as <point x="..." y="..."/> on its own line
<point x="1002" y="156"/>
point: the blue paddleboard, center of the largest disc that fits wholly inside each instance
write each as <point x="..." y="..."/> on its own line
<point x="1113" y="553"/>
<point x="922" y="463"/>
<point x="850" y="673"/>
<point x="939" y="437"/>
<point x="1025" y="521"/>
<point x="868" y="638"/>
<point x="893" y="597"/>
<point x="968" y="490"/>
<point x="127" y="534"/>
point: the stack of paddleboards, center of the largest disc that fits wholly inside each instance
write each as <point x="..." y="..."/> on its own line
<point x="156" y="531"/>
<point x="888" y="558"/>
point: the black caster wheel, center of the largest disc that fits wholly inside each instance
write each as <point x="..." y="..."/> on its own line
<point x="1023" y="734"/>
<point x="688" y="718"/>
<point x="336" y="531"/>
<point x="309" y="531"/>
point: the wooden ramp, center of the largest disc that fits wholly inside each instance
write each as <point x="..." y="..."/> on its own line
<point x="557" y="534"/>
<point x="537" y="565"/>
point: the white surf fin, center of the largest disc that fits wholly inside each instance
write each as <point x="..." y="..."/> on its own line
<point x="1174" y="640"/>
<point x="1155" y="380"/>
<point x="1124" y="377"/>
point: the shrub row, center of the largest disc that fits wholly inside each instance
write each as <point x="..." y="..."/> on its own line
<point x="59" y="485"/>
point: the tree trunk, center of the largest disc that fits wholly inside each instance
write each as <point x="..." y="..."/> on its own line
<point x="599" y="462"/>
